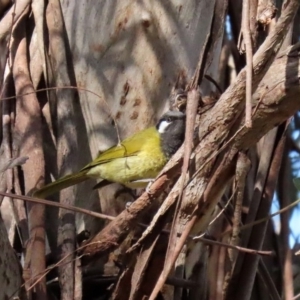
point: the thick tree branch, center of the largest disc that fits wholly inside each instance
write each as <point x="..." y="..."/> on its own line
<point x="270" y="112"/>
<point x="276" y="105"/>
<point x="28" y="141"/>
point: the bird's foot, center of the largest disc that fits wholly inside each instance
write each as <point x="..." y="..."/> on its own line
<point x="148" y="187"/>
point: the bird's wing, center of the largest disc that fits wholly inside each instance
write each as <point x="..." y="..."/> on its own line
<point x="119" y="151"/>
<point x="129" y="147"/>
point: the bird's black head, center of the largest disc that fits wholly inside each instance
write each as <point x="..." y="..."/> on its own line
<point x="171" y="128"/>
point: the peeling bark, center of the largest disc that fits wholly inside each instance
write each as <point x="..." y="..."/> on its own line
<point x="28" y="139"/>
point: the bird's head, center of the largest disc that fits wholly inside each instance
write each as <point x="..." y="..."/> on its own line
<point x="171" y="128"/>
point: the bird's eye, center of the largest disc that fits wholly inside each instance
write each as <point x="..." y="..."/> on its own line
<point x="169" y="120"/>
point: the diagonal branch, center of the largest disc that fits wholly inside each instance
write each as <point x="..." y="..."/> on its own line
<point x="274" y="111"/>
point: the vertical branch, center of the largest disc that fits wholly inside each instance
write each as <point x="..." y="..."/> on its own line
<point x="240" y="288"/>
<point x="253" y="24"/>
<point x="191" y="112"/>
<point x="249" y="58"/>
<point x="6" y="139"/>
<point x="78" y="280"/>
<point x="261" y="178"/>
<point x="242" y="168"/>
<point x="67" y="139"/>
<point x="284" y="199"/>
<point x="193" y="98"/>
<point x="28" y="139"/>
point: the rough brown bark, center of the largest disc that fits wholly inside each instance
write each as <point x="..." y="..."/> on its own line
<point x="62" y="75"/>
<point x="28" y="140"/>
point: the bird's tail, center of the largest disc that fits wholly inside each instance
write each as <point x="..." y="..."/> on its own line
<point x="61" y="184"/>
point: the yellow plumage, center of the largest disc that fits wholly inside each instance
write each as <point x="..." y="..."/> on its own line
<point x="136" y="158"/>
<point x="133" y="163"/>
<point x="129" y="163"/>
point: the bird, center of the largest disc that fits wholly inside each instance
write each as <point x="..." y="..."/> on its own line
<point x="134" y="162"/>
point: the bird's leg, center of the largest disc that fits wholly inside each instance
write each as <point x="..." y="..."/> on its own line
<point x="148" y="187"/>
<point x="149" y="182"/>
<point x="148" y="190"/>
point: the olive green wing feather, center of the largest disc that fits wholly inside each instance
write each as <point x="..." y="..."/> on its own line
<point x="129" y="147"/>
<point x="113" y="153"/>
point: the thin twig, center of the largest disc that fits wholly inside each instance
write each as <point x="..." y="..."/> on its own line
<point x="268" y="280"/>
<point x="59" y="205"/>
<point x="242" y="169"/>
<point x="288" y="207"/>
<point x="6" y="21"/>
<point x="13" y="15"/>
<point x="76" y="88"/>
<point x="200" y="238"/>
<point x="222" y="210"/>
<point x="175" y="254"/>
<point x="209" y="78"/>
<point x="192" y="104"/>
<point x="241" y="249"/>
<point x="249" y="58"/>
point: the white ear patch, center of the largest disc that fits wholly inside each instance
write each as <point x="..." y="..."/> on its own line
<point x="163" y="126"/>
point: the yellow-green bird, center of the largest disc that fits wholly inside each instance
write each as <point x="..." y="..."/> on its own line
<point x="134" y="162"/>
